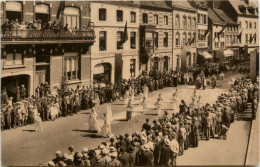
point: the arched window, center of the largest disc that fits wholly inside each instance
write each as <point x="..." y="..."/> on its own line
<point x="14" y="11"/>
<point x="177" y="39"/>
<point x="194" y="36"/>
<point x="71" y="17"/>
<point x="42" y="12"/>
<point x="184" y="38"/>
<point x="177" y="21"/>
<point x="189" y="37"/>
<point x="189" y="22"/>
<point x="184" y="22"/>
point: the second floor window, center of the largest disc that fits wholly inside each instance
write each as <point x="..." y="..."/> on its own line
<point x="246" y="38"/>
<point x="132" y="67"/>
<point x="119" y="40"/>
<point x="255" y="25"/>
<point x="156" y="36"/>
<point x="155" y="19"/>
<point x="42" y="13"/>
<point x="102" y="14"/>
<point x="184" y="24"/>
<point x="205" y="19"/>
<point x="184" y="38"/>
<point x="71" y="17"/>
<point x="177" y="21"/>
<point x="165" y="20"/>
<point x="102" y="40"/>
<point x="246" y="24"/>
<point x="119" y="16"/>
<point x="14" y="11"/>
<point x="165" y="39"/>
<point x="198" y="18"/>
<point x="189" y="22"/>
<point x="133" y="40"/>
<point x="250" y="24"/>
<point x="145" y="18"/>
<point x="133" y="17"/>
<point x="177" y="40"/>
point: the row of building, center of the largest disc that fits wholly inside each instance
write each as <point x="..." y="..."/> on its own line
<point x="161" y="35"/>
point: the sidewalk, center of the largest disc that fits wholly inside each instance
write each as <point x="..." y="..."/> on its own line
<point x="252" y="157"/>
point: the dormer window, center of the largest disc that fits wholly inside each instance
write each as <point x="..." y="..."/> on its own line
<point x="251" y="10"/>
<point x="242" y="9"/>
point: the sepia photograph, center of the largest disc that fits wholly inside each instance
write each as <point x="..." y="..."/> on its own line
<point x="129" y="83"/>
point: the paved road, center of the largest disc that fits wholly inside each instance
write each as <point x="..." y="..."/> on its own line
<point x="23" y="146"/>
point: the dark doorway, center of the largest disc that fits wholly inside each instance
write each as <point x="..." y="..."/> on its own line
<point x="156" y="64"/>
<point x="42" y="75"/>
<point x="12" y="15"/>
<point x="43" y="17"/>
<point x="165" y="63"/>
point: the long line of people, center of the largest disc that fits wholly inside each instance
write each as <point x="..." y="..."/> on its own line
<point x="161" y="142"/>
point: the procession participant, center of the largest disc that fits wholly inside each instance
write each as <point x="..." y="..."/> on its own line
<point x="132" y="93"/>
<point x="106" y="129"/>
<point x="129" y="110"/>
<point x="145" y="90"/>
<point x="181" y="138"/>
<point x="174" y="102"/>
<point x="183" y="107"/>
<point x="195" y="131"/>
<point x="158" y="105"/>
<point x="126" y="98"/>
<point x="96" y="103"/>
<point x="93" y="123"/>
<point x="38" y="123"/>
<point x="144" y="103"/>
<point x="7" y="115"/>
<point x="45" y="109"/>
<point x="141" y="95"/>
<point x="109" y="113"/>
<point x="219" y="116"/>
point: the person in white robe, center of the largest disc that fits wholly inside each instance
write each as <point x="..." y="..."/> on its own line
<point x="145" y="90"/>
<point x="96" y="103"/>
<point x="144" y="103"/>
<point x="106" y="128"/>
<point x="93" y="123"/>
<point x="141" y="95"/>
<point x="109" y="112"/>
<point x="126" y="98"/>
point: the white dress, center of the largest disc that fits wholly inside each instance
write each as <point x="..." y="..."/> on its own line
<point x="141" y="95"/>
<point x="145" y="91"/>
<point x="132" y="95"/>
<point x="93" y="123"/>
<point x="174" y="105"/>
<point x="126" y="98"/>
<point x="159" y="108"/>
<point x="109" y="113"/>
<point x="106" y="129"/>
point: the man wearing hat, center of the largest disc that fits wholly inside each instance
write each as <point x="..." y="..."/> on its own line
<point x="114" y="161"/>
<point x="165" y="153"/>
<point x="71" y="149"/>
<point x="124" y="157"/>
<point x="23" y="92"/>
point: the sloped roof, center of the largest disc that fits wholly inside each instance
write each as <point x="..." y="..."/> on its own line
<point x="224" y="17"/>
<point x="237" y="3"/>
<point x="123" y="3"/>
<point x="214" y="17"/>
<point x="183" y="4"/>
<point x="156" y="4"/>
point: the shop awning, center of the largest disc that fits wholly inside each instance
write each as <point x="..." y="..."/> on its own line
<point x="228" y="53"/>
<point x="98" y="69"/>
<point x="207" y="55"/>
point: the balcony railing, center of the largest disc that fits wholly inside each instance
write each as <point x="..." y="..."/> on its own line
<point x="47" y="35"/>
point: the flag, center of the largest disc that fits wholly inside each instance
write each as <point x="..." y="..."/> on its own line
<point x="125" y="35"/>
<point x="254" y="37"/>
<point x="206" y="33"/>
<point x="61" y="8"/>
<point x="192" y="41"/>
<point x="220" y="32"/>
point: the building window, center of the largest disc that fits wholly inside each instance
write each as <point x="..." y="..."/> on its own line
<point x="177" y="21"/>
<point x="194" y="38"/>
<point x="132" y="67"/>
<point x="240" y="24"/>
<point x="155" y="19"/>
<point x="184" y="38"/>
<point x="228" y="39"/>
<point x="156" y="36"/>
<point x="177" y="39"/>
<point x="165" y="20"/>
<point x="165" y="39"/>
<point x="246" y="38"/>
<point x="205" y="19"/>
<point x="189" y="37"/>
<point x="14" y="11"/>
<point x="71" y="17"/>
<point x="246" y="24"/>
<point x="145" y="18"/>
<point x="250" y="24"/>
<point x="102" y="14"/>
<point x="189" y="22"/>
<point x="184" y="22"/>
<point x="251" y="40"/>
<point x="255" y="25"/>
<point x="178" y="60"/>
<point x="132" y="40"/>
<point x="42" y="12"/>
<point x="119" y="16"/>
<point x="13" y="59"/>
<point x="133" y="17"/>
<point x="198" y="18"/>
<point x="199" y="35"/>
<point x="102" y="40"/>
<point x="119" y="40"/>
<point x="71" y="68"/>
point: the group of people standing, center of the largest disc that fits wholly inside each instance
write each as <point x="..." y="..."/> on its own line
<point x="160" y="143"/>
